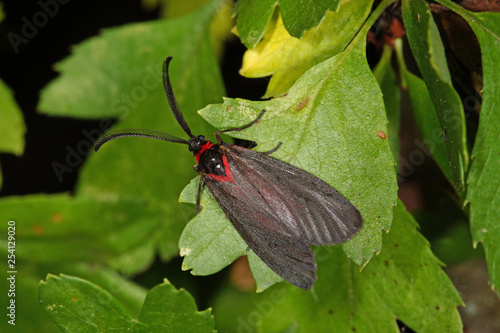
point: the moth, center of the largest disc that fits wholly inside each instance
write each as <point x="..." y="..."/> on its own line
<point x="278" y="209"/>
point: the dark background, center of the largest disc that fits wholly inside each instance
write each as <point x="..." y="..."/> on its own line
<point x="29" y="70"/>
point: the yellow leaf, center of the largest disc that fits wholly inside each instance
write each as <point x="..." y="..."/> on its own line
<point x="286" y="58"/>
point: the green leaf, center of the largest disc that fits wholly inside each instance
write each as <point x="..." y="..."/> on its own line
<point x="299" y="16"/>
<point x="60" y="229"/>
<point x="483" y="192"/>
<point x="265" y="277"/>
<point x="428" y="122"/>
<point x="329" y="124"/>
<point x="428" y="51"/>
<point x="404" y="281"/>
<point x="77" y="305"/>
<point x="167" y="309"/>
<point x="253" y="16"/>
<point x="287" y="58"/>
<point x="27" y="285"/>
<point x="118" y="74"/>
<point x="484" y="181"/>
<point x="130" y="295"/>
<point x="12" y="127"/>
<point x="384" y="73"/>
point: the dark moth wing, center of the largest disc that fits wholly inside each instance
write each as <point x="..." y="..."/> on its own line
<point x="280" y="210"/>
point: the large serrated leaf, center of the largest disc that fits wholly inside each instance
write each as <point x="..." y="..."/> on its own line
<point x="77" y="305"/>
<point x="329" y="124"/>
<point x="428" y="51"/>
<point x="483" y="192"/>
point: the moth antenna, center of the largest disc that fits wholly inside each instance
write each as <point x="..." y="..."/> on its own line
<point x="172" y="101"/>
<point x="136" y="132"/>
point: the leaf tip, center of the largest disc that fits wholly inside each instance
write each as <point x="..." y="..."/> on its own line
<point x="185" y="267"/>
<point x="49" y="277"/>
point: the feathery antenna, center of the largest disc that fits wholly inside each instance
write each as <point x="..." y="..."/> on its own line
<point x="137" y="132"/>
<point x="172" y="100"/>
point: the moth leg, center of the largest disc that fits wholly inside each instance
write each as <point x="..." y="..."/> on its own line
<point x="272" y="150"/>
<point x="198" y="197"/>
<point x="237" y="129"/>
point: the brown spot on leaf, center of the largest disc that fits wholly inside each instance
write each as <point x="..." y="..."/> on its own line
<point x="382" y="135"/>
<point x="38" y="229"/>
<point x="303" y="103"/>
<point x="57" y="217"/>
